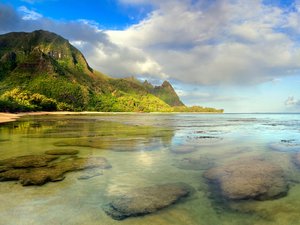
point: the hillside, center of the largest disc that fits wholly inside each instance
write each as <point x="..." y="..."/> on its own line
<point x="43" y="71"/>
<point x="165" y="92"/>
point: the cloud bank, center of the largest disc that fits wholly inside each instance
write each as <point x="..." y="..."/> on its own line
<point x="292" y="102"/>
<point x="200" y="42"/>
<point x="243" y="42"/>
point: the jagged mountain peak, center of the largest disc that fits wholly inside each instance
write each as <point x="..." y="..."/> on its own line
<point x="167" y="93"/>
<point x="24" y="44"/>
<point x="166" y="84"/>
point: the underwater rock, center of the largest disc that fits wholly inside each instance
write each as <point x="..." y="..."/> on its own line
<point x="200" y="163"/>
<point x="13" y="174"/>
<point x="248" y="179"/>
<point x="62" y="152"/>
<point x="288" y="140"/>
<point x="183" y="149"/>
<point x="290" y="145"/>
<point x="101" y="143"/>
<point x="115" y="144"/>
<point x="3" y="168"/>
<point x="141" y="201"/>
<point x="28" y="161"/>
<point x="205" y="140"/>
<point x="82" y="142"/>
<point x="52" y="172"/>
<point x="206" y="137"/>
<point x="3" y="140"/>
<point x="90" y="174"/>
<point x="83" y="163"/>
<point x="40" y="176"/>
<point x="296" y="159"/>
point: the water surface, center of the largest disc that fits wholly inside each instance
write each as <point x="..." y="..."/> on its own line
<point x="145" y="150"/>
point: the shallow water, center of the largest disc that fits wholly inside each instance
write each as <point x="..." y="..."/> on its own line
<point x="145" y="150"/>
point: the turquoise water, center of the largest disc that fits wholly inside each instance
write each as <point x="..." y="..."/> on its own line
<point x="145" y="150"/>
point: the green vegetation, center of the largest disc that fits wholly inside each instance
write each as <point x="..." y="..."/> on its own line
<point x="62" y="90"/>
<point x="198" y="109"/>
<point x="125" y="102"/>
<point x="41" y="71"/>
<point x="22" y="101"/>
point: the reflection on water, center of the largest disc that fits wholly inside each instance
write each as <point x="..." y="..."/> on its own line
<point x="149" y="150"/>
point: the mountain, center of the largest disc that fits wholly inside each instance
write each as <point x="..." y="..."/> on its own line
<point x="43" y="71"/>
<point x="41" y="52"/>
<point x="165" y="92"/>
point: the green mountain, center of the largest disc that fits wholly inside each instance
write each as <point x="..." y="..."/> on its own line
<point x="43" y="71"/>
<point x="165" y="92"/>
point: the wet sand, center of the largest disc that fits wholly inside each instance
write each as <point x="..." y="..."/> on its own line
<point x="8" y="117"/>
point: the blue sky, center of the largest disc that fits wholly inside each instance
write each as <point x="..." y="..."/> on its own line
<point x="109" y="14"/>
<point x="240" y="55"/>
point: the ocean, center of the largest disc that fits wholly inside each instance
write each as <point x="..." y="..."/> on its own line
<point x="257" y="152"/>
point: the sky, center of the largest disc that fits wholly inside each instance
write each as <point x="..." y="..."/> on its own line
<point x="239" y="55"/>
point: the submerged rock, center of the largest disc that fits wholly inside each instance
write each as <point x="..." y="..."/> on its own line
<point x="118" y="144"/>
<point x="141" y="201"/>
<point x="83" y="142"/>
<point x="28" y="161"/>
<point x="83" y="163"/>
<point x="290" y="145"/>
<point x="183" y="149"/>
<point x="90" y="174"/>
<point x="296" y="159"/>
<point x="40" y="176"/>
<point x="205" y="140"/>
<point x="199" y="163"/>
<point x="248" y="179"/>
<point x="62" y="152"/>
<point x="3" y="168"/>
<point x="52" y="172"/>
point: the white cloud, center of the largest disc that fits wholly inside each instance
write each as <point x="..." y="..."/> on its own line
<point x="37" y="1"/>
<point x="119" y="61"/>
<point x="90" y="23"/>
<point x="28" y="14"/>
<point x="30" y="1"/>
<point x="229" y="41"/>
<point x="184" y="93"/>
<point x="292" y="101"/>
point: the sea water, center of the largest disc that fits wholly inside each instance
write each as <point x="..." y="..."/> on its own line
<point x="147" y="150"/>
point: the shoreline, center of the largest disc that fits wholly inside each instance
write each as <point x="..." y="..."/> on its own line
<point x="11" y="117"/>
<point x="8" y="117"/>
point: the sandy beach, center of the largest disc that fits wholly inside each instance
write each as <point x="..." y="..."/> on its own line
<point x="8" y="117"/>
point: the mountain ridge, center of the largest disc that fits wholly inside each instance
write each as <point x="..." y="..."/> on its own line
<point x="45" y="65"/>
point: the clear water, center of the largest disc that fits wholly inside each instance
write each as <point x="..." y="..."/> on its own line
<point x="144" y="150"/>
